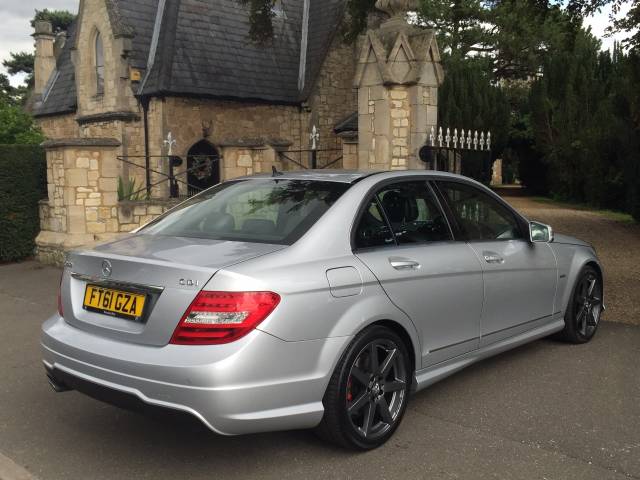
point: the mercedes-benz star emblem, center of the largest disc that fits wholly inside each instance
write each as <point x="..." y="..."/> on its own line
<point x="106" y="268"/>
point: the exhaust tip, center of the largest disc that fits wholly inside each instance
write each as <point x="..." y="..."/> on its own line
<point x="57" y="386"/>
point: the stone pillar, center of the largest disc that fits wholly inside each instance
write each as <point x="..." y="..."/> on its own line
<point x="397" y="78"/>
<point x="82" y="178"/>
<point x="45" y="60"/>
<point x="496" y="172"/>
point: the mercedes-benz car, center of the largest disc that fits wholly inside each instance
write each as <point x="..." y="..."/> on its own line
<point x="314" y="299"/>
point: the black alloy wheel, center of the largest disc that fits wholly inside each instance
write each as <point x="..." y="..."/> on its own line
<point x="368" y="392"/>
<point x="585" y="308"/>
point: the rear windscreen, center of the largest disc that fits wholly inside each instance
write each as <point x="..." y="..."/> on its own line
<point x="264" y="211"/>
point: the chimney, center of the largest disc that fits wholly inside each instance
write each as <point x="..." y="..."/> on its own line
<point x="45" y="60"/>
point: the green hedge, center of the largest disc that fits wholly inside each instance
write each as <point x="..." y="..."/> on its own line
<point x="23" y="182"/>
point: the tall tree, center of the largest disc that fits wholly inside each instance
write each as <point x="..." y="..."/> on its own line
<point x="629" y="23"/>
<point x="585" y="121"/>
<point x="514" y="34"/>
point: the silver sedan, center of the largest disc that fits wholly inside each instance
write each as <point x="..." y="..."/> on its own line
<point x="314" y="300"/>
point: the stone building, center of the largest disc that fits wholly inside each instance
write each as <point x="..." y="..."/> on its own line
<point x="136" y="83"/>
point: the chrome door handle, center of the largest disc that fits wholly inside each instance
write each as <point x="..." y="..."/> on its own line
<point x="492" y="257"/>
<point x="402" y="264"/>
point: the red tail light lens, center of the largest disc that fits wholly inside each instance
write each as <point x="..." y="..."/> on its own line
<point x="214" y="318"/>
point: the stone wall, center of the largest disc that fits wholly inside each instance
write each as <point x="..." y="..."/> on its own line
<point x="333" y="98"/>
<point x="350" y="154"/>
<point x="59" y="126"/>
<point x="133" y="215"/>
<point x="228" y="124"/>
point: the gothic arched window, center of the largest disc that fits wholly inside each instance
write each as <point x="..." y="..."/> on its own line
<point x="99" y="64"/>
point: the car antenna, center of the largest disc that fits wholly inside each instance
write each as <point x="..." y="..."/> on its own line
<point x="275" y="172"/>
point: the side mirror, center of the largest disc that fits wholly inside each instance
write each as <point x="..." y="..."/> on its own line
<point x="540" y="233"/>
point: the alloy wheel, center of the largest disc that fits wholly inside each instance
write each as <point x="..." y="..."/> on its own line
<point x="588" y="304"/>
<point x="376" y="389"/>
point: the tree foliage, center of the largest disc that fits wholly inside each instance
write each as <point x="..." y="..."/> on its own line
<point x="261" y="16"/>
<point x="21" y="62"/>
<point x="60" y="19"/>
<point x="16" y="126"/>
<point x="585" y="112"/>
<point x="513" y="34"/>
<point x="469" y="99"/>
<point x="628" y="24"/>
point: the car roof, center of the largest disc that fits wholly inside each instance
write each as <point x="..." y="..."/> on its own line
<point x="345" y="176"/>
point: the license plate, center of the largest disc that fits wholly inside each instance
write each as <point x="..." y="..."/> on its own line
<point x="114" y="302"/>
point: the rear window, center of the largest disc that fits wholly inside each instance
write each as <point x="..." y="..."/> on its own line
<point x="263" y="211"/>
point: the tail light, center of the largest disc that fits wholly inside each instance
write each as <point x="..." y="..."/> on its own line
<point x="215" y="318"/>
<point x="60" y="308"/>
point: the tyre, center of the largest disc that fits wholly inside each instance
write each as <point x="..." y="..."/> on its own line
<point x="368" y="391"/>
<point x="582" y="317"/>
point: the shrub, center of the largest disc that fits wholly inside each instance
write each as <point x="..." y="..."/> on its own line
<point x="22" y="186"/>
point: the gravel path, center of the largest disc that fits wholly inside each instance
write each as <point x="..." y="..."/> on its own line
<point x="616" y="241"/>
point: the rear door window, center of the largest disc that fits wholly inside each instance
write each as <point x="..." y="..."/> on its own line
<point x="413" y="213"/>
<point x="402" y="213"/>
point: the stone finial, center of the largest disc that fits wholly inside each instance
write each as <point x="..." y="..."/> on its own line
<point x="395" y="8"/>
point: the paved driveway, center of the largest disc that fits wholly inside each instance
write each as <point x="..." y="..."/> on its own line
<point x="544" y="411"/>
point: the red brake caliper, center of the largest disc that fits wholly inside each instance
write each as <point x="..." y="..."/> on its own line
<point x="349" y="395"/>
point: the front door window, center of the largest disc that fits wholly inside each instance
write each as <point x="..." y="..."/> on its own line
<point x="479" y="216"/>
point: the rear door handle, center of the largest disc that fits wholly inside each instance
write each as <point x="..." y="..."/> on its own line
<point x="404" y="264"/>
<point x="492" y="257"/>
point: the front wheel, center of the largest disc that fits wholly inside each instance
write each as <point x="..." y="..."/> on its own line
<point x="585" y="308"/>
<point x="368" y="391"/>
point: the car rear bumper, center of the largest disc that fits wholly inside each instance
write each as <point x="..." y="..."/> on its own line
<point x="259" y="383"/>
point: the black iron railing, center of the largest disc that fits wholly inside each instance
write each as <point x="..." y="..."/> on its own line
<point x="174" y="180"/>
<point x="286" y="156"/>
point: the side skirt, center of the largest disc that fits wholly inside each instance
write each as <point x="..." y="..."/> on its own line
<point x="432" y="374"/>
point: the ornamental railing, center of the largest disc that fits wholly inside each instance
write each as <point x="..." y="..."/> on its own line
<point x="176" y="182"/>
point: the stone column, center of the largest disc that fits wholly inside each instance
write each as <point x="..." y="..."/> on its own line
<point x="397" y="78"/>
<point x="45" y="60"/>
<point x="82" y="177"/>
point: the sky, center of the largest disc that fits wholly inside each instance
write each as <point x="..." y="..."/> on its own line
<point x="15" y="15"/>
<point x="15" y="34"/>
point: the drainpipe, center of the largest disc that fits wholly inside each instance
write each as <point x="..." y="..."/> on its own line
<point x="144" y="101"/>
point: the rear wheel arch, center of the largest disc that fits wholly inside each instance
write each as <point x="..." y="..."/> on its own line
<point x="399" y="330"/>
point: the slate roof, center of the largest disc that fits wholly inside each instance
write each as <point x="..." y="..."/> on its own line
<point x="203" y="49"/>
<point x="140" y="15"/>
